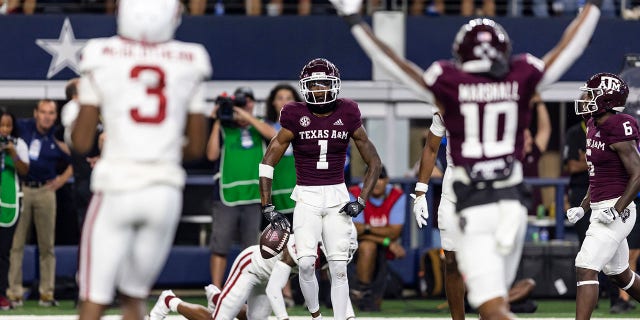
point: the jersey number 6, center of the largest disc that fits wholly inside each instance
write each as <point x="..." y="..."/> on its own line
<point x="156" y="90"/>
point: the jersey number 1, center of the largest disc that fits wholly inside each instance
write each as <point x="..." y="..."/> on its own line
<point x="156" y="90"/>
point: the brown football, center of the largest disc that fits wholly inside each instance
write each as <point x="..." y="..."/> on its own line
<point x="272" y="241"/>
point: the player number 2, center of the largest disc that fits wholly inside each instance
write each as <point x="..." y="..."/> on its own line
<point x="322" y="163"/>
<point x="156" y="90"/>
<point x="490" y="146"/>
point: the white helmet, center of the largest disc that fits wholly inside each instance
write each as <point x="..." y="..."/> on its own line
<point x="151" y="21"/>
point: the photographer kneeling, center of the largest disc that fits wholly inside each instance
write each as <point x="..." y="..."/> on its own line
<point x="238" y="140"/>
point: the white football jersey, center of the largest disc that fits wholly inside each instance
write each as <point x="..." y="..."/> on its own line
<point x="144" y="92"/>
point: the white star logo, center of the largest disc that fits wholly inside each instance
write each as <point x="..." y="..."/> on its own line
<point x="64" y="51"/>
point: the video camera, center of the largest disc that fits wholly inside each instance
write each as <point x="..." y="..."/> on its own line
<point x="4" y="140"/>
<point x="225" y="108"/>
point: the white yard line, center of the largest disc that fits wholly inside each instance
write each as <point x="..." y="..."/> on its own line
<point x="118" y="317"/>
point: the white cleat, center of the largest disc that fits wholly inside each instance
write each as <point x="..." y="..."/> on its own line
<point x="211" y="291"/>
<point x="160" y="309"/>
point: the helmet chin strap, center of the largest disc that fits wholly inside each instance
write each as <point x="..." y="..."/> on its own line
<point x="322" y="108"/>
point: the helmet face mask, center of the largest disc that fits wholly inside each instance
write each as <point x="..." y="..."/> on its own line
<point x="148" y="21"/>
<point x="320" y="84"/>
<point x="602" y="92"/>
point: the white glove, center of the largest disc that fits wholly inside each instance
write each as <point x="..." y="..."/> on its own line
<point x="347" y="7"/>
<point x="606" y="216"/>
<point x="420" y="209"/>
<point x="574" y="214"/>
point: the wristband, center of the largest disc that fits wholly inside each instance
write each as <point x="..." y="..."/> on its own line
<point x="421" y="187"/>
<point x="353" y="19"/>
<point x="367" y="229"/>
<point x="386" y="242"/>
<point x="265" y="170"/>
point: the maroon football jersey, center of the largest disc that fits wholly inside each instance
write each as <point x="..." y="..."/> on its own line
<point x="485" y="117"/>
<point x="320" y="143"/>
<point x="607" y="176"/>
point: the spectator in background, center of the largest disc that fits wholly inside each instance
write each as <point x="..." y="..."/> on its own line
<point x="535" y="146"/>
<point x="379" y="229"/>
<point x="467" y="8"/>
<point x="82" y="163"/>
<point x="39" y="201"/>
<point x="237" y="140"/>
<point x="14" y="163"/>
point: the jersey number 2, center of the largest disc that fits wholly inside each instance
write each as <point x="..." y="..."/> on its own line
<point x="157" y="90"/>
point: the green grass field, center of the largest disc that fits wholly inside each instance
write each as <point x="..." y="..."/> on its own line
<point x="392" y="309"/>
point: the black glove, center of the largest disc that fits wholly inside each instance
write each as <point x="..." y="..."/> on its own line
<point x="353" y="208"/>
<point x="277" y="219"/>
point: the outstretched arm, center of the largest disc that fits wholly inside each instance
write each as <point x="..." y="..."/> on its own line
<point x="370" y="156"/>
<point x="403" y="70"/>
<point x="572" y="44"/>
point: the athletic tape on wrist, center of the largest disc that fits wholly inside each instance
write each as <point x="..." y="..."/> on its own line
<point x="265" y="170"/>
<point x="421" y="187"/>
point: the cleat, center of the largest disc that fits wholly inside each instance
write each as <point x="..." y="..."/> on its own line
<point x="211" y="291"/>
<point x="161" y="309"/>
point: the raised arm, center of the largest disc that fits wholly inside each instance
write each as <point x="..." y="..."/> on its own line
<point x="403" y="70"/>
<point x="573" y="42"/>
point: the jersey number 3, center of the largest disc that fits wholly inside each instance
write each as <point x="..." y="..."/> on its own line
<point x="156" y="90"/>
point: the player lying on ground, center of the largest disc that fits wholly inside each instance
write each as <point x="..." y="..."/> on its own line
<point x="253" y="279"/>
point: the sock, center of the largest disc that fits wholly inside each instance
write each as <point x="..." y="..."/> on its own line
<point x="339" y="288"/>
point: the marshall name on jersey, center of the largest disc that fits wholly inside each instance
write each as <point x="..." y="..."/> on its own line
<point x="320" y="143"/>
<point x="607" y="174"/>
<point x="485" y="117"/>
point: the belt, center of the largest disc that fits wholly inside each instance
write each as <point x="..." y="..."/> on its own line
<point x="34" y="184"/>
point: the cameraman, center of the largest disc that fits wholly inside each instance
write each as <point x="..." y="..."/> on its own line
<point x="238" y="140"/>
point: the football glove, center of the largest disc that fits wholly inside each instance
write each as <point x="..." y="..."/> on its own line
<point x="277" y="219"/>
<point x="354" y="208"/>
<point x="347" y="7"/>
<point x="607" y="215"/>
<point x="574" y="214"/>
<point x="420" y="209"/>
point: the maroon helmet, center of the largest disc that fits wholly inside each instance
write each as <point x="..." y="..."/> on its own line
<point x="604" y="91"/>
<point x="484" y="40"/>
<point x="319" y="83"/>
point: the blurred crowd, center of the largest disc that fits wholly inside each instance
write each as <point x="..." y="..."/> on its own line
<point x="629" y="10"/>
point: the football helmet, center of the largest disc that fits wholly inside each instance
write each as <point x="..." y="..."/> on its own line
<point x="484" y="42"/>
<point x="602" y="92"/>
<point x="149" y="21"/>
<point x="320" y="84"/>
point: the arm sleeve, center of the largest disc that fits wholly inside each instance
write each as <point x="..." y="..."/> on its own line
<point x="277" y="281"/>
<point x="572" y="51"/>
<point x="88" y="91"/>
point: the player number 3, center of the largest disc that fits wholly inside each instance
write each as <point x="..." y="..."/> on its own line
<point x="156" y="90"/>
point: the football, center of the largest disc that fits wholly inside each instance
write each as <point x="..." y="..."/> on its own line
<point x="272" y="241"/>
